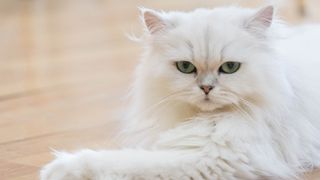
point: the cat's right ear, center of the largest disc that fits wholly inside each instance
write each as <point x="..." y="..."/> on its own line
<point x="261" y="20"/>
<point x="152" y="20"/>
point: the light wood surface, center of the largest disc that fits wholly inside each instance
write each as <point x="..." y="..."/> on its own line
<point x="65" y="68"/>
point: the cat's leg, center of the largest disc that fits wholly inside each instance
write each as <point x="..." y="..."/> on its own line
<point x="190" y="151"/>
<point x="125" y="165"/>
<point x="139" y="164"/>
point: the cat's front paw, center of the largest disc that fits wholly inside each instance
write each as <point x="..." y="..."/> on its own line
<point x="66" y="167"/>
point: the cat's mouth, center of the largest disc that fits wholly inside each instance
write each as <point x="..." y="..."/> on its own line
<point x="208" y="104"/>
<point x="207" y="99"/>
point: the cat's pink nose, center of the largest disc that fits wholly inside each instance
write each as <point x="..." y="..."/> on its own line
<point x="206" y="89"/>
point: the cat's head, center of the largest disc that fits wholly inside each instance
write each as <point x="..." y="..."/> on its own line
<point x="211" y="58"/>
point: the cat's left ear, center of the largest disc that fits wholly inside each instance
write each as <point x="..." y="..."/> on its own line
<point x="153" y="21"/>
<point x="261" y="20"/>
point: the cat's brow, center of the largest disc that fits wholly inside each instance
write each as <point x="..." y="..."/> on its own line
<point x="223" y="49"/>
<point x="207" y="42"/>
<point x="190" y="46"/>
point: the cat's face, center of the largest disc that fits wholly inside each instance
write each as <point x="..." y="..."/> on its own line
<point x="210" y="59"/>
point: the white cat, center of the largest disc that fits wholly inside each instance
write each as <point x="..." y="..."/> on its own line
<point x="225" y="93"/>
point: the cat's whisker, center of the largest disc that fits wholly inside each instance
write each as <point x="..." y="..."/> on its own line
<point x="233" y="105"/>
<point x="243" y="101"/>
<point x="150" y="110"/>
<point x="164" y="100"/>
<point x="225" y="95"/>
<point x="234" y="94"/>
<point x="244" y="112"/>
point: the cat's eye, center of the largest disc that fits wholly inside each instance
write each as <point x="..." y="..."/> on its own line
<point x="186" y="67"/>
<point x="229" y="67"/>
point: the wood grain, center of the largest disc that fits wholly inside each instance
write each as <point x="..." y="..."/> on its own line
<point x="65" y="69"/>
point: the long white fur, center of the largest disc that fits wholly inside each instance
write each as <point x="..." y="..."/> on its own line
<point x="263" y="121"/>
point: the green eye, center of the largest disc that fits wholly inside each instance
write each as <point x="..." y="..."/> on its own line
<point x="186" y="67"/>
<point x="229" y="67"/>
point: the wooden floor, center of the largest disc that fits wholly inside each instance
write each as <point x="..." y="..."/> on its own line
<point x="65" y="68"/>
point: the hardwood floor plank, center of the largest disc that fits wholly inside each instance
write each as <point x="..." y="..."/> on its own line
<point x="8" y="169"/>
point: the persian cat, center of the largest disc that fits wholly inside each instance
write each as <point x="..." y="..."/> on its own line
<point x="225" y="93"/>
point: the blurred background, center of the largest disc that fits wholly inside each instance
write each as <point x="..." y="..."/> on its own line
<point x="66" y="65"/>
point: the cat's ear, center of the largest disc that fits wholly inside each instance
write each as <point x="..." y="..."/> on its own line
<point x="152" y="20"/>
<point x="261" y="20"/>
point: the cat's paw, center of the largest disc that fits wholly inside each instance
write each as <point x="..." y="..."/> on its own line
<point x="66" y="167"/>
